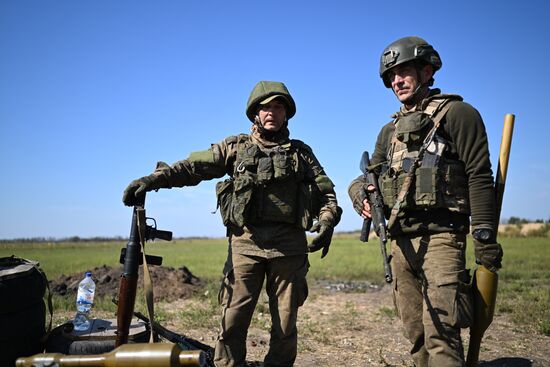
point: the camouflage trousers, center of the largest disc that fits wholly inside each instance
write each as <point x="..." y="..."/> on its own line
<point x="432" y="295"/>
<point x="286" y="287"/>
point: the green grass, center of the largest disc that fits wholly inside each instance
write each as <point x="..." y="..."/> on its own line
<point x="349" y="259"/>
<point x="524" y="285"/>
<point x="202" y="257"/>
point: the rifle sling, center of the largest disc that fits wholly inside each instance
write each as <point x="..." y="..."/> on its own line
<point x="147" y="283"/>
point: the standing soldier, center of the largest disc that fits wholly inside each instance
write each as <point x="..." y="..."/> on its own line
<point x="275" y="190"/>
<point x="434" y="173"/>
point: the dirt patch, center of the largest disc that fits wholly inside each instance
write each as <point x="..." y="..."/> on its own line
<point x="359" y="328"/>
<point x="170" y="284"/>
<point x="351" y="324"/>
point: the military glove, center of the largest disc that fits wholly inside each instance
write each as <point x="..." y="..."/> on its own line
<point x="488" y="255"/>
<point x="358" y="198"/>
<point x="139" y="187"/>
<point x="322" y="240"/>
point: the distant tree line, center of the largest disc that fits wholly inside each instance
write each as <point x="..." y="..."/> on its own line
<point x="76" y="239"/>
<point x="64" y="239"/>
<point x="518" y="220"/>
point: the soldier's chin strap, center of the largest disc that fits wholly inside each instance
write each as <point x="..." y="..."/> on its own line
<point x="418" y="94"/>
<point x="413" y="99"/>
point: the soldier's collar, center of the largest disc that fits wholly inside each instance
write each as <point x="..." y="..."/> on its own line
<point x="420" y="106"/>
<point x="281" y="138"/>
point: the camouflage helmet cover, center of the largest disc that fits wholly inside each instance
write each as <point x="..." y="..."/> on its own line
<point x="404" y="50"/>
<point x="266" y="91"/>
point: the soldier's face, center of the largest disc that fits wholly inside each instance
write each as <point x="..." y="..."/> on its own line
<point x="405" y="79"/>
<point x="272" y="115"/>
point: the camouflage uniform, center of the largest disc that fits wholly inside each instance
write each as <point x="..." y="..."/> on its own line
<point x="429" y="202"/>
<point x="276" y="188"/>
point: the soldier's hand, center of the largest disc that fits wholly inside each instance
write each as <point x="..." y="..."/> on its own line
<point x="488" y="255"/>
<point x="360" y="202"/>
<point x="323" y="239"/>
<point x="136" y="189"/>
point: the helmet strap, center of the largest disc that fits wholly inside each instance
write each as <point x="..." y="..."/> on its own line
<point x="418" y="93"/>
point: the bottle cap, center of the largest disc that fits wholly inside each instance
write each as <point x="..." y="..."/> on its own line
<point x="88" y="273"/>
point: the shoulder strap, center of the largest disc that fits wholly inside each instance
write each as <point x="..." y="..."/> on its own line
<point x="50" y="307"/>
<point x="437" y="108"/>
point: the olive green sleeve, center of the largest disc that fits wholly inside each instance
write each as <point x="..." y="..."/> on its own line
<point x="214" y="162"/>
<point x="466" y="130"/>
<point x="382" y="146"/>
<point x="330" y="211"/>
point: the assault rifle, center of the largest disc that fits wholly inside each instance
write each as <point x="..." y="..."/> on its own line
<point x="132" y="258"/>
<point x="377" y="214"/>
<point x="128" y="355"/>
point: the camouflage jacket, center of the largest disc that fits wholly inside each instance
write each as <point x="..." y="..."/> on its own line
<point x="266" y="239"/>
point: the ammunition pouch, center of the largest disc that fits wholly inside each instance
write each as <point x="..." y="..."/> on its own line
<point x="242" y="193"/>
<point x="282" y="167"/>
<point x="425" y="193"/>
<point x="224" y="193"/>
<point x="444" y="186"/>
<point x="412" y="128"/>
<point x="234" y="199"/>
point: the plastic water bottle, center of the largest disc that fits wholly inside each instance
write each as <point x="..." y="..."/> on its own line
<point x="84" y="303"/>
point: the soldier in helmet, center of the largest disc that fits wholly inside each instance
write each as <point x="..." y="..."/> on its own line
<point x="434" y="173"/>
<point x="275" y="192"/>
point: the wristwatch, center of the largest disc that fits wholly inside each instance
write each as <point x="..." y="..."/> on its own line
<point x="483" y="235"/>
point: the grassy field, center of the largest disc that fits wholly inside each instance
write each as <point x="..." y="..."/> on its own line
<point x="524" y="287"/>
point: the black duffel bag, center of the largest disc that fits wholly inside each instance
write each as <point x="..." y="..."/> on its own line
<point x="22" y="309"/>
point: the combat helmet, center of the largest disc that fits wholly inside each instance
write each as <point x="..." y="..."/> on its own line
<point x="404" y="50"/>
<point x="266" y="91"/>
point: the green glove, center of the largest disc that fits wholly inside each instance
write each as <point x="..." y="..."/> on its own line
<point x="488" y="255"/>
<point x="358" y="197"/>
<point x="141" y="186"/>
<point x="323" y="239"/>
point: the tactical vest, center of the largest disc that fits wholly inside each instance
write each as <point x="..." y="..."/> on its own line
<point x="267" y="185"/>
<point x="418" y="175"/>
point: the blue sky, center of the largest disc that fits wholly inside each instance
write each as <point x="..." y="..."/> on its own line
<point x="94" y="93"/>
